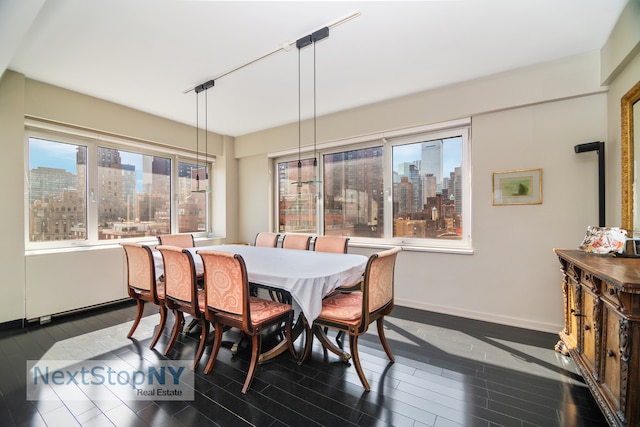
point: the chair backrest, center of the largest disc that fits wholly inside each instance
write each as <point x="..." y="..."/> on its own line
<point x="267" y="239"/>
<point x="179" y="274"/>
<point x="225" y="281"/>
<point x="140" y="267"/>
<point x="333" y="244"/>
<point x="378" y="279"/>
<point x="181" y="240"/>
<point x="296" y="241"/>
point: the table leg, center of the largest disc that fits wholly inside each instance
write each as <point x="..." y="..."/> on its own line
<point x="283" y="346"/>
<point x="324" y="340"/>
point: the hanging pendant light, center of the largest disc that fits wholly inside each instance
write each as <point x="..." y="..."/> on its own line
<point x="299" y="181"/>
<point x="301" y="43"/>
<point x="201" y="88"/>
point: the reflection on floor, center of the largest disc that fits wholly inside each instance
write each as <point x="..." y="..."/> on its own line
<point x="449" y="371"/>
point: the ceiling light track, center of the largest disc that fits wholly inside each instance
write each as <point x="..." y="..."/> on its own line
<point x="315" y="36"/>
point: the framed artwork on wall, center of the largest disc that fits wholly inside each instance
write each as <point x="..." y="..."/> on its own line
<point x="517" y="187"/>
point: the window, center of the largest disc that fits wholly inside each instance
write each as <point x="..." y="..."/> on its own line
<point x="193" y="186"/>
<point x="297" y="196"/>
<point x="353" y="193"/>
<point x="427" y="189"/>
<point x="134" y="199"/>
<point x="82" y="191"/>
<point x="410" y="188"/>
<point x="57" y="191"/>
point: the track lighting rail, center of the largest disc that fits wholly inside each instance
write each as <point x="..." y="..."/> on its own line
<point x="313" y="37"/>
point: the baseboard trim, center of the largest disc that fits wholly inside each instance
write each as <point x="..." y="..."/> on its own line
<point x="22" y="323"/>
<point x="502" y="320"/>
<point x="12" y="324"/>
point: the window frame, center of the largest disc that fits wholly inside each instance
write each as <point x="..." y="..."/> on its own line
<point x="388" y="140"/>
<point x="93" y="140"/>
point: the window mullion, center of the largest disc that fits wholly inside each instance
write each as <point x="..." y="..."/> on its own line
<point x="388" y="189"/>
<point x="92" y="193"/>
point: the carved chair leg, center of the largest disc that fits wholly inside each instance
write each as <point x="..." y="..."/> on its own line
<point x="179" y="320"/>
<point x="163" y="320"/>
<point x="353" y="344"/>
<point x="204" y="326"/>
<point x="383" y="339"/>
<point x="217" y="341"/>
<point x="256" y="344"/>
<point x="140" y="305"/>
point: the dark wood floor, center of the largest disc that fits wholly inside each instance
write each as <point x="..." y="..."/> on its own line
<point x="448" y="372"/>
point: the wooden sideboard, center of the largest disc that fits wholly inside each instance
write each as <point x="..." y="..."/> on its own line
<point x="601" y="296"/>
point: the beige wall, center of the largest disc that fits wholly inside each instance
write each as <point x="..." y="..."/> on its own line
<point x="65" y="106"/>
<point x="570" y="77"/>
<point x="12" y="175"/>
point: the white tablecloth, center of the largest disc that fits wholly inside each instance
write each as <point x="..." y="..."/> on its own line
<point x="307" y="275"/>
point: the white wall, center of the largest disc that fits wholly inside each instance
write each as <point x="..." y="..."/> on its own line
<point x="64" y="281"/>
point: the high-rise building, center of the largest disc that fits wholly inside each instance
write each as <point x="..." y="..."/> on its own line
<point x="432" y="160"/>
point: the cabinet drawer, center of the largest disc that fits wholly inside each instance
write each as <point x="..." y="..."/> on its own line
<point x="590" y="281"/>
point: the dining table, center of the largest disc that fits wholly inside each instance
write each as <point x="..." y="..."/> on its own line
<point x="308" y="276"/>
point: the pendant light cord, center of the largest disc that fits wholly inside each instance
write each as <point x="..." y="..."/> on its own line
<point x="299" y="119"/>
<point x="206" y="134"/>
<point x="197" y="143"/>
<point x="315" y="158"/>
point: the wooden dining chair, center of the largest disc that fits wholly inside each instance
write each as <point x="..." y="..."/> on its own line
<point x="183" y="294"/>
<point x="181" y="240"/>
<point x="267" y="239"/>
<point x="353" y="312"/>
<point x="142" y="285"/>
<point x="228" y="303"/>
<point x="338" y="245"/>
<point x="334" y="244"/>
<point x="296" y="241"/>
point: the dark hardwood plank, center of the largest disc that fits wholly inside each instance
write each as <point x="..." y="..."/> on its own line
<point x="448" y="372"/>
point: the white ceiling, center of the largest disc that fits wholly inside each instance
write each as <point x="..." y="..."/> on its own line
<point x="145" y="53"/>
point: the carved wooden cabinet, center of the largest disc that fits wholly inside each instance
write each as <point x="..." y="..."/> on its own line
<point x="601" y="331"/>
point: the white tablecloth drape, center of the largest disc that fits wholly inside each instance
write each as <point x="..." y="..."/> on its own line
<point x="307" y="275"/>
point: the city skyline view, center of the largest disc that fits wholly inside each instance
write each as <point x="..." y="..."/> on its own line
<point x="411" y="152"/>
<point x="63" y="156"/>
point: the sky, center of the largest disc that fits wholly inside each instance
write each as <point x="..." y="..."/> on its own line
<point x="63" y="156"/>
<point x="452" y="154"/>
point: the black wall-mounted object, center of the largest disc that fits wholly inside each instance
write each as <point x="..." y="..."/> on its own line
<point x="599" y="147"/>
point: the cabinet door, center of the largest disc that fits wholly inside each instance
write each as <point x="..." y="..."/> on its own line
<point x="573" y="305"/>
<point x="573" y="298"/>
<point x="612" y="357"/>
<point x="588" y="329"/>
